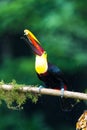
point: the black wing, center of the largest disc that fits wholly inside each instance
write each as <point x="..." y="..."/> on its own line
<point x="57" y="74"/>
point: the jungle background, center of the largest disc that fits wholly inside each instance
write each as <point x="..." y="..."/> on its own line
<point x="61" y="27"/>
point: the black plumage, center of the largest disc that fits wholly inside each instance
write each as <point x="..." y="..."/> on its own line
<point x="53" y="78"/>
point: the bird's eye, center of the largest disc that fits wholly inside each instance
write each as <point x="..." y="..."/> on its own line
<point x="45" y="52"/>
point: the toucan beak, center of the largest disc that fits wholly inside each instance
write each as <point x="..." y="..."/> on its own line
<point x="33" y="43"/>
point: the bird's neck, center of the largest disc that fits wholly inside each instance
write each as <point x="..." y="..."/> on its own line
<point x="41" y="64"/>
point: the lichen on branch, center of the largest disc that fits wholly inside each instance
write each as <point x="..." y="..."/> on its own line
<point x="12" y="95"/>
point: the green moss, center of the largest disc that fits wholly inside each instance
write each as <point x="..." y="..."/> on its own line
<point x="33" y="97"/>
<point x="15" y="98"/>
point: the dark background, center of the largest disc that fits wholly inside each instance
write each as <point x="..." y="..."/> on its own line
<point x="61" y="27"/>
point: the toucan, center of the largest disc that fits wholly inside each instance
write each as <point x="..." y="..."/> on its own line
<point x="51" y="75"/>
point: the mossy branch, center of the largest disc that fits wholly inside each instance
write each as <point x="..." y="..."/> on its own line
<point x="11" y="93"/>
<point x="45" y="91"/>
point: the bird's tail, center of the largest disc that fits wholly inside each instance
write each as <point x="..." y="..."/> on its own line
<point x="67" y="104"/>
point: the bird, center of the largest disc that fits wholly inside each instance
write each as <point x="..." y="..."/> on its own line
<point x="49" y="74"/>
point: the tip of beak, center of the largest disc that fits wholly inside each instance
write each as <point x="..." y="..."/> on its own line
<point x="30" y="34"/>
<point x="26" y="32"/>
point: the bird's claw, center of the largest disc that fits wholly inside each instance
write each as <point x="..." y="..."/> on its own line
<point x="62" y="92"/>
<point x="40" y="87"/>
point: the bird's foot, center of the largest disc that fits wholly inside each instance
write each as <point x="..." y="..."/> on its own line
<point x="62" y="92"/>
<point x="40" y="87"/>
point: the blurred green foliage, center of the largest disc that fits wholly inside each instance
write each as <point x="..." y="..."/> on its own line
<point x="20" y="70"/>
<point x="19" y="121"/>
<point x="60" y="26"/>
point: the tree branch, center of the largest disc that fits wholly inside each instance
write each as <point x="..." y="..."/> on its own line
<point x="45" y="91"/>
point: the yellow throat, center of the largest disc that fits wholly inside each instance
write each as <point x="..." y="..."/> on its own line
<point x="41" y="64"/>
